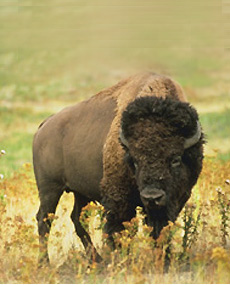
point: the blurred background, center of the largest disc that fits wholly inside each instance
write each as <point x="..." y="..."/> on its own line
<point x="54" y="53"/>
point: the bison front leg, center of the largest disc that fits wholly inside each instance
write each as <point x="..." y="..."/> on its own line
<point x="118" y="211"/>
<point x="79" y="203"/>
<point x="112" y="226"/>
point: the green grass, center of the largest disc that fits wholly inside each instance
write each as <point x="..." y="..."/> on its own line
<point x="18" y="149"/>
<point x="217" y="130"/>
<point x="10" y="116"/>
<point x="217" y="124"/>
<point x="18" y="125"/>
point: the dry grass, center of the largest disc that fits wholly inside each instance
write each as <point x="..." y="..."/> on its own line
<point x="199" y="246"/>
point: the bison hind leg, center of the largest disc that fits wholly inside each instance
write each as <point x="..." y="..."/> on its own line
<point x="49" y="197"/>
<point x="79" y="202"/>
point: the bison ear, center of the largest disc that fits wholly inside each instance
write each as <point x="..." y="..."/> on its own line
<point x="189" y="142"/>
<point x="123" y="139"/>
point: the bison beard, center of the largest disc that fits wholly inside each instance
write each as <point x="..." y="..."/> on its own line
<point x="157" y="219"/>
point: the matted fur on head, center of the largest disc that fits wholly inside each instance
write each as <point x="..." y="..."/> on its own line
<point x="180" y="116"/>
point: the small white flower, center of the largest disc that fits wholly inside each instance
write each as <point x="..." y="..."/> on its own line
<point x="3" y="152"/>
<point x="1" y="176"/>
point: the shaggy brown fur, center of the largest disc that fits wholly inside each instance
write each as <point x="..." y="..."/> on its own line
<point x="117" y="185"/>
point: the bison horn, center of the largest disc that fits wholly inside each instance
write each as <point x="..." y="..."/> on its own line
<point x="123" y="139"/>
<point x="194" y="139"/>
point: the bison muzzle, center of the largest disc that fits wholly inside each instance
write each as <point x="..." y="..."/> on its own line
<point x="138" y="143"/>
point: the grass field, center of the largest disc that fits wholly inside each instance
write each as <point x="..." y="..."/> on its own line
<point x="57" y="53"/>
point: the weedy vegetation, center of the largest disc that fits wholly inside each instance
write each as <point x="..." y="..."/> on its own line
<point x="198" y="241"/>
<point x="43" y="70"/>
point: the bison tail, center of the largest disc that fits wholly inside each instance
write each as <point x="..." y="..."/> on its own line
<point x="44" y="121"/>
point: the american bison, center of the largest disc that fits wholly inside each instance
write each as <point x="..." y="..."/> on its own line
<point x="138" y="143"/>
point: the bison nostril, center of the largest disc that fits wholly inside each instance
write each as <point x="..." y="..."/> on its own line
<point x="153" y="197"/>
<point x="160" y="201"/>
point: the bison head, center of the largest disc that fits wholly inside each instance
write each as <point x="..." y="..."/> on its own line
<point x="163" y="145"/>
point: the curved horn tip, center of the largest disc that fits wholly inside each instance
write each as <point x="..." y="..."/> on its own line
<point x="194" y="139"/>
<point x="122" y="138"/>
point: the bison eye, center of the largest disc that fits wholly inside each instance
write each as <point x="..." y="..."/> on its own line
<point x="176" y="162"/>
